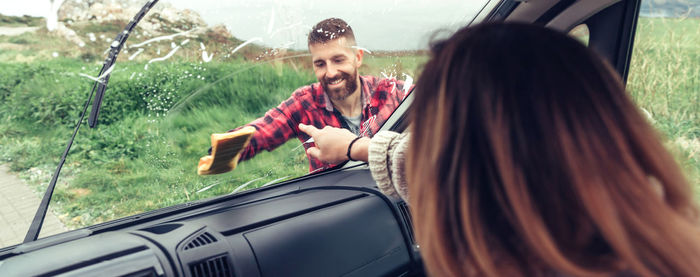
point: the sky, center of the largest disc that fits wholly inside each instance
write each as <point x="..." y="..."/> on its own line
<point x="24" y="7"/>
<point x="378" y="24"/>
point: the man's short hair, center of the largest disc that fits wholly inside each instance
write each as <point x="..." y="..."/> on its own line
<point x="330" y="29"/>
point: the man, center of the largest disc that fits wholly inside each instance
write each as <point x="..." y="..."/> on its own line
<point x="341" y="98"/>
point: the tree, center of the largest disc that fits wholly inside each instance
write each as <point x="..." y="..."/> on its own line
<point x="52" y="17"/>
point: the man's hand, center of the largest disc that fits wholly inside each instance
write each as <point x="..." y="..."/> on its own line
<point x="332" y="144"/>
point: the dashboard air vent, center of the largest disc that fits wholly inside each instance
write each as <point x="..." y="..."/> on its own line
<point x="215" y="266"/>
<point x="202" y="239"/>
<point x="406" y="214"/>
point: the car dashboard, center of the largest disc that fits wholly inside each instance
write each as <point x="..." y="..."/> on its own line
<point x="329" y="225"/>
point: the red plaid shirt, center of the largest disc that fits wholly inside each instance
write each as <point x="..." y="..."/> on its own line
<point x="310" y="105"/>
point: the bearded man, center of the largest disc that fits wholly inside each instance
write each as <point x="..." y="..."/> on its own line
<point x="341" y="98"/>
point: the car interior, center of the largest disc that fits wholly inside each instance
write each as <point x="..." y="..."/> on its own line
<point x="333" y="223"/>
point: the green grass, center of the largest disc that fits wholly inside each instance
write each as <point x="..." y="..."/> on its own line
<point x="393" y="65"/>
<point x="38" y="46"/>
<point x="664" y="80"/>
<point x="142" y="156"/>
<point x="155" y="124"/>
<point x="20" y="21"/>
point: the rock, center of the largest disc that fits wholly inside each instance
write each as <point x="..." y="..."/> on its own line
<point x="74" y="10"/>
<point x="193" y="17"/>
<point x="216" y="34"/>
<point x="68" y="34"/>
<point x="97" y="12"/>
<point x="124" y="10"/>
<point x="163" y="19"/>
<point x="221" y="30"/>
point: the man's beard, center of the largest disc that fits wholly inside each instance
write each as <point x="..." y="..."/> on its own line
<point x="339" y="94"/>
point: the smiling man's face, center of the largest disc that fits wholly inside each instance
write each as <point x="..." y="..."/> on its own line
<point x="336" y="66"/>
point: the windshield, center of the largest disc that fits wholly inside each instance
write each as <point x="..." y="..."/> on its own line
<point x="188" y="70"/>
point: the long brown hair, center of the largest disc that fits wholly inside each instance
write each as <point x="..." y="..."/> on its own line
<point x="528" y="158"/>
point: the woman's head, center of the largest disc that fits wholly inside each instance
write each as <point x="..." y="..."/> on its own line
<point x="527" y="157"/>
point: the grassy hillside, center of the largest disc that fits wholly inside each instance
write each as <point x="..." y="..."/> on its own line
<point x="155" y="123"/>
<point x="664" y="80"/>
<point x="141" y="156"/>
<point x="21" y="21"/>
<point x="96" y="38"/>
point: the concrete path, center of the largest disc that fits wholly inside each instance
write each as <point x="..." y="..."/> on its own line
<point x="13" y="31"/>
<point x="18" y="203"/>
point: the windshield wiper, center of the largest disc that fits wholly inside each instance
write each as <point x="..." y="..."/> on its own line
<point x="101" y="86"/>
<point x="112" y="58"/>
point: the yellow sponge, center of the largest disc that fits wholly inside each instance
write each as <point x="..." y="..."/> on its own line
<point x="226" y="149"/>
